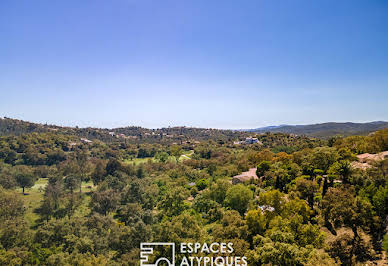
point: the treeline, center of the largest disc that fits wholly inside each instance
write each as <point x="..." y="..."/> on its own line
<point x="130" y="134"/>
<point x="373" y="143"/>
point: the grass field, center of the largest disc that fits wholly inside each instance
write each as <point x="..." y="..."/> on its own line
<point x="34" y="196"/>
<point x="32" y="199"/>
<point x="185" y="156"/>
<point x="137" y="161"/>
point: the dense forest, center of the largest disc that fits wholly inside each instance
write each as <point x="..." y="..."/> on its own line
<point x="71" y="196"/>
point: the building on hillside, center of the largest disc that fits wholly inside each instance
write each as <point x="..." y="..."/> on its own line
<point x="251" y="140"/>
<point x="245" y="177"/>
<point x="84" y="140"/>
<point x="264" y="208"/>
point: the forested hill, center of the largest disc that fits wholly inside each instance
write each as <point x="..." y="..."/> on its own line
<point x="9" y="126"/>
<point x="326" y="130"/>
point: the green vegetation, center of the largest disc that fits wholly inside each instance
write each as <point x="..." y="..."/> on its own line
<point x="64" y="201"/>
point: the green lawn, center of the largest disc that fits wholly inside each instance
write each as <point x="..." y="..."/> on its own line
<point x="88" y="186"/>
<point x="185" y="156"/>
<point x="34" y="197"/>
<point x="137" y="161"/>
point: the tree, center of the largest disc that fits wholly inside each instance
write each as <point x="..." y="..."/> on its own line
<point x="112" y="166"/>
<point x="7" y="179"/>
<point x="209" y="209"/>
<point x="269" y="252"/>
<point x="202" y="184"/>
<point x="282" y="179"/>
<point x="385" y="243"/>
<point x="324" y="157"/>
<point x="104" y="202"/>
<point x="13" y="229"/>
<point x="84" y="167"/>
<point x="306" y="189"/>
<point x="273" y="198"/>
<point x="72" y="182"/>
<point x="24" y="176"/>
<point x="162" y="157"/>
<point x="265" y="155"/>
<point x="341" y="169"/>
<point x="256" y="221"/>
<point x="71" y="171"/>
<point x="380" y="201"/>
<point x="342" y="208"/>
<point x="263" y="167"/>
<point x="131" y="213"/>
<point x="238" y="197"/>
<point x="382" y="167"/>
<point x="218" y="190"/>
<point x="10" y="156"/>
<point x="11" y="206"/>
<point x="140" y="173"/>
<point x="52" y="198"/>
<point x="172" y="202"/>
<point x="176" y="151"/>
<point x="232" y="228"/>
<point x="318" y="172"/>
<point x="99" y="172"/>
<point x="181" y="228"/>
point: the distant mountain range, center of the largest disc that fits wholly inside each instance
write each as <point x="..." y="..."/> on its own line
<point x="325" y="130"/>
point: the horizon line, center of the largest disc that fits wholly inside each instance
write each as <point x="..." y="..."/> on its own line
<point x="185" y="126"/>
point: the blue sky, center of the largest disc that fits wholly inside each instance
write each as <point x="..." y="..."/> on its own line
<point x="219" y="63"/>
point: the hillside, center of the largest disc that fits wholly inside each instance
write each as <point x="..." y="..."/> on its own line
<point x="131" y="134"/>
<point x="326" y="130"/>
<point x="187" y="136"/>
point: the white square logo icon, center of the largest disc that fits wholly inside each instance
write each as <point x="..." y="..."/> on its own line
<point x="149" y="254"/>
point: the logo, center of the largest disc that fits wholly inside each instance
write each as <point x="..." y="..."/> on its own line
<point x="151" y="254"/>
<point x="190" y="254"/>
